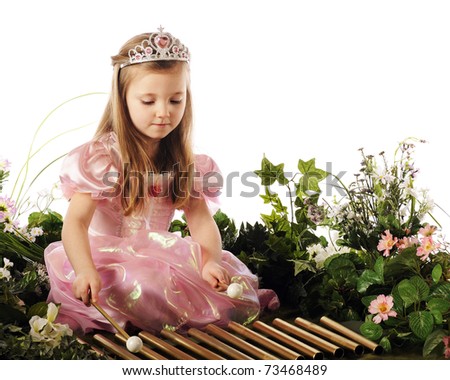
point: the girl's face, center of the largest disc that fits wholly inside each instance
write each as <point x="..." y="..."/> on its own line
<point x="156" y="100"/>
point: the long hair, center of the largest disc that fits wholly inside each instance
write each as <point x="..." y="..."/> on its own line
<point x="175" y="150"/>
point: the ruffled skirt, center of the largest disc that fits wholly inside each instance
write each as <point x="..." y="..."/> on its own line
<point x="153" y="281"/>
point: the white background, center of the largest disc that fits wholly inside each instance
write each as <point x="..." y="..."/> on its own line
<point x="288" y="79"/>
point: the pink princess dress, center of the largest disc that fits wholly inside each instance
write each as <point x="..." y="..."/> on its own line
<point x="151" y="277"/>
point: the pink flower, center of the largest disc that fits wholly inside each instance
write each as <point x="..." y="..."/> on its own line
<point x="427" y="230"/>
<point x="4" y="165"/>
<point x="446" y="340"/>
<point x="7" y="209"/>
<point x="427" y="245"/>
<point x="382" y="307"/>
<point x="386" y="243"/>
<point x="407" y="242"/>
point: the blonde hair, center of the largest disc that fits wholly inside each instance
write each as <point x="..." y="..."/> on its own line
<point x="175" y="152"/>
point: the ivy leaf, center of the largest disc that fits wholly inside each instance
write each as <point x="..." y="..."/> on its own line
<point x="310" y="178"/>
<point x="371" y="330"/>
<point x="309" y="167"/>
<point x="301" y="265"/>
<point x="421" y="323"/>
<point x="270" y="173"/>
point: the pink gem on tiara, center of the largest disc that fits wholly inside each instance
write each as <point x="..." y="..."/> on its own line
<point x="160" y="46"/>
<point x="162" y="41"/>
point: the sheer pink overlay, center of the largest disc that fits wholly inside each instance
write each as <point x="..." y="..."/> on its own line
<point x="151" y="277"/>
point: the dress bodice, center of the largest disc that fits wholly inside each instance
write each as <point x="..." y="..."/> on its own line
<point x="94" y="168"/>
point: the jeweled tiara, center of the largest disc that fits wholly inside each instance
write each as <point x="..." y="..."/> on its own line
<point x="160" y="46"/>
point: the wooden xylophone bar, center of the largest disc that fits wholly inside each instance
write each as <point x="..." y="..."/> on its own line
<point x="280" y="341"/>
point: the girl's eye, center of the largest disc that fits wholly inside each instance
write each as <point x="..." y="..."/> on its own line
<point x="176" y="101"/>
<point x="147" y="102"/>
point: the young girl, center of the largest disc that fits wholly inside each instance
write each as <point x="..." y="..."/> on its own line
<point x="124" y="187"/>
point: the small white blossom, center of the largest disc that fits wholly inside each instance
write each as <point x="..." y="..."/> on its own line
<point x="5" y="274"/>
<point x="36" y="231"/>
<point x="4" y="164"/>
<point x="382" y="175"/>
<point x="9" y="227"/>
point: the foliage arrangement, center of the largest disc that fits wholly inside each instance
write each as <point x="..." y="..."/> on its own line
<point x="27" y="323"/>
<point x="27" y="327"/>
<point x="367" y="255"/>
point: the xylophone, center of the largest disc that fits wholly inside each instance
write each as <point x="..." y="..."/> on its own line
<point x="280" y="340"/>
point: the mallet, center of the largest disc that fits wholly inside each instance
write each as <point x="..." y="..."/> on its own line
<point x="134" y="343"/>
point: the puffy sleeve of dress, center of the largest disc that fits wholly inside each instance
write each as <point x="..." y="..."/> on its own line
<point x="91" y="168"/>
<point x="208" y="181"/>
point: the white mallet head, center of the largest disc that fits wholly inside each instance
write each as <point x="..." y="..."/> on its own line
<point x="235" y="290"/>
<point x="134" y="344"/>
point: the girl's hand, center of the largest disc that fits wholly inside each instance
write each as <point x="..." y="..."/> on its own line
<point x="215" y="275"/>
<point x="87" y="285"/>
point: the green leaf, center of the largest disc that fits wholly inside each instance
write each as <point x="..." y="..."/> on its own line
<point x="302" y="265"/>
<point x="371" y="330"/>
<point x="368" y="277"/>
<point x="39" y="309"/>
<point x="309" y="167"/>
<point x="367" y="300"/>
<point x="421" y="323"/>
<point x="434" y="344"/>
<point x="9" y="314"/>
<point x="379" y="267"/>
<point x="441" y="291"/>
<point x="438" y="304"/>
<point x="436" y="273"/>
<point x="386" y="344"/>
<point x="408" y="292"/>
<point x="421" y="286"/>
<point x="437" y="315"/>
<point x="270" y="173"/>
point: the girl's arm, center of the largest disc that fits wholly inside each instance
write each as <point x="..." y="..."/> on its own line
<point x="204" y="231"/>
<point x="87" y="282"/>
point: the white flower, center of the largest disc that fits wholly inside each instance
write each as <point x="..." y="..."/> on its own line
<point x="44" y="330"/>
<point x="314" y="249"/>
<point x="9" y="227"/>
<point x="408" y="189"/>
<point x="324" y="254"/>
<point x="7" y="263"/>
<point x="383" y="175"/>
<point x="350" y="215"/>
<point x="36" y="231"/>
<point x="37" y="324"/>
<point x="5" y="274"/>
<point x="404" y="211"/>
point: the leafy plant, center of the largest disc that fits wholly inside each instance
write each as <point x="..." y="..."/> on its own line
<point x="27" y="327"/>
